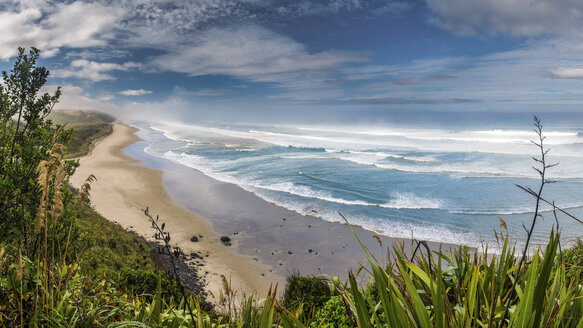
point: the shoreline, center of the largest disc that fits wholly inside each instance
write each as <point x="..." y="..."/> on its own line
<point x="268" y="242"/>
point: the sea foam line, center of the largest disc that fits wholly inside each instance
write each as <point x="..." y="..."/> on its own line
<point x="406" y="139"/>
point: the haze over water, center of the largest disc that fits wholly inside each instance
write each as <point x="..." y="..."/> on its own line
<point x="439" y="184"/>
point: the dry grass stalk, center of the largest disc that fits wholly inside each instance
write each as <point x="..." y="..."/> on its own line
<point x="228" y="298"/>
<point x="85" y="190"/>
<point x="2" y="253"/>
<point x="52" y="178"/>
<point x="503" y="223"/>
<point x="51" y="175"/>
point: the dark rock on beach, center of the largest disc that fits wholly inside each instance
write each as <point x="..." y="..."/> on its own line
<point x="225" y="239"/>
<point x="194" y="239"/>
<point x="189" y="275"/>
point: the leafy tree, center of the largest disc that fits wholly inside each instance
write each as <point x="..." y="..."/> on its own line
<point x="26" y="137"/>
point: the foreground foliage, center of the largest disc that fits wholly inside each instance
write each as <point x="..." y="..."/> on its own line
<point x="25" y="138"/>
<point x="463" y="289"/>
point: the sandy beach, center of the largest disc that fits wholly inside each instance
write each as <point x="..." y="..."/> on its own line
<point x="122" y="192"/>
<point x="268" y="241"/>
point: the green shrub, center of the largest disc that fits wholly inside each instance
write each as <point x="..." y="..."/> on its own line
<point x="144" y="282"/>
<point x="573" y="258"/>
<point x="310" y="291"/>
<point x="105" y="250"/>
<point x="332" y="315"/>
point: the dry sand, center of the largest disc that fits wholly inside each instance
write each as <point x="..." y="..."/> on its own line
<point x="269" y="241"/>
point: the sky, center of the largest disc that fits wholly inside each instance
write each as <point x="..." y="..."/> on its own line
<point x="304" y="60"/>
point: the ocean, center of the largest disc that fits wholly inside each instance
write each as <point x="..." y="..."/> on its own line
<point x="446" y="185"/>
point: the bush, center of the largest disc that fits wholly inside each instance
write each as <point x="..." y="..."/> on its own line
<point x="110" y="252"/>
<point x="310" y="291"/>
<point x="332" y="314"/>
<point x="573" y="258"/>
<point x="145" y="282"/>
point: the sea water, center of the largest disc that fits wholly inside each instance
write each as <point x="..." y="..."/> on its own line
<point x="445" y="185"/>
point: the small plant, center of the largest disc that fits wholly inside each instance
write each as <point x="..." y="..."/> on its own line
<point x="310" y="291"/>
<point x="332" y="314"/>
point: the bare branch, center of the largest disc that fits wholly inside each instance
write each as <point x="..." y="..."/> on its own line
<point x="541" y="171"/>
<point x="551" y="165"/>
<point x="160" y="232"/>
<point x="532" y="193"/>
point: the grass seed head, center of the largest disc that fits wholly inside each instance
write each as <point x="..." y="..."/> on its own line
<point x="503" y="223"/>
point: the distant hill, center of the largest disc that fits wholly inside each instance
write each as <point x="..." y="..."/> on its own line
<point x="88" y="128"/>
<point x="80" y="117"/>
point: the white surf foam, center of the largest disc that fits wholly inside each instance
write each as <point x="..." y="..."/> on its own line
<point x="412" y="201"/>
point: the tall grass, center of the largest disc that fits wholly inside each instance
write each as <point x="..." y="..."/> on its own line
<point x="466" y="289"/>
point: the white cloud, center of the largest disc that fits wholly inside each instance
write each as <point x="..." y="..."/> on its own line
<point x="523" y="18"/>
<point x="106" y="98"/>
<point x="94" y="71"/>
<point x="75" y="97"/>
<point x="51" y="25"/>
<point x="534" y="74"/>
<point x="137" y="92"/>
<point x="249" y="51"/>
<point x="567" y="73"/>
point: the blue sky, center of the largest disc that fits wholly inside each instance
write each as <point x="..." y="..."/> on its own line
<point x="280" y="59"/>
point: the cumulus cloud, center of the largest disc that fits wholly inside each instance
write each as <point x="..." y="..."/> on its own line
<point x="94" y="71"/>
<point x="523" y="18"/>
<point x="51" y="25"/>
<point x="250" y="51"/>
<point x="229" y="37"/>
<point x="135" y="92"/>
